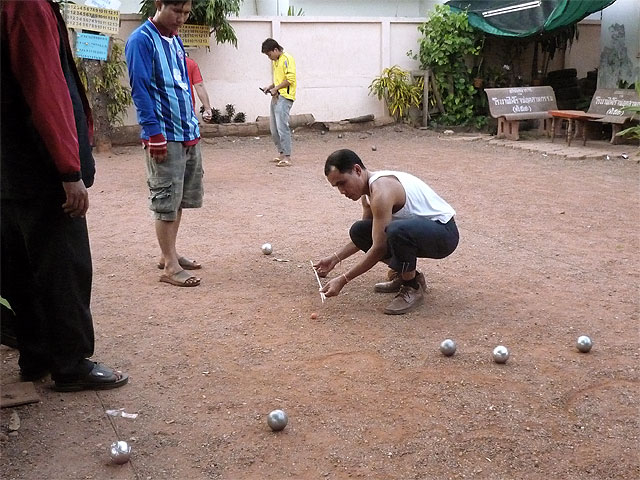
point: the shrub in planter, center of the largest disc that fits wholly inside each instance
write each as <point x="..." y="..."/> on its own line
<point x="399" y="94"/>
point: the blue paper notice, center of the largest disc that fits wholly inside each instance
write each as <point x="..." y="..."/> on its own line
<point x="89" y="45"/>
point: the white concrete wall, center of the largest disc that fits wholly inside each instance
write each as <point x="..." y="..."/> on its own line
<point x="336" y="60"/>
<point x="364" y="8"/>
<point x="316" y="8"/>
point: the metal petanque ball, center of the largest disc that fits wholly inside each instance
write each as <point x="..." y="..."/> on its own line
<point x="500" y="354"/>
<point x="120" y="452"/>
<point x="277" y="420"/>
<point x="584" y="344"/>
<point x="267" y="248"/>
<point x="448" y="347"/>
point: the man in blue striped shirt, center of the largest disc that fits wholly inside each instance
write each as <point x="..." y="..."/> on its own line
<point x="170" y="133"/>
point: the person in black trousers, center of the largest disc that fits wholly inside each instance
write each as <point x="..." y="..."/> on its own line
<point x="403" y="219"/>
<point x="47" y="165"/>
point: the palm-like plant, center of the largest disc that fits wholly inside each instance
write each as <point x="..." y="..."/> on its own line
<point x="395" y="87"/>
<point x="212" y="13"/>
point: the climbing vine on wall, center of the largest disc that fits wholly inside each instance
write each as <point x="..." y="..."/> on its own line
<point x="447" y="42"/>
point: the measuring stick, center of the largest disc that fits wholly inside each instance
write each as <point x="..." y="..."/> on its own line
<point x="322" y="295"/>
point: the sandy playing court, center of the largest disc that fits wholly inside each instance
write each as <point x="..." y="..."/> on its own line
<point x="549" y="250"/>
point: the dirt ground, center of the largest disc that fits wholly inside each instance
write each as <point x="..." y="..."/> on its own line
<point x="549" y="250"/>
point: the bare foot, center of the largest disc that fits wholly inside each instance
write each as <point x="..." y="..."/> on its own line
<point x="184" y="262"/>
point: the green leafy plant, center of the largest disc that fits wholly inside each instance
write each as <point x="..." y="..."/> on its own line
<point x="108" y="96"/>
<point x="108" y="82"/>
<point x="291" y="12"/>
<point x="447" y="41"/>
<point x="632" y="132"/>
<point x="119" y="95"/>
<point x="399" y="94"/>
<point x="215" y="115"/>
<point x="229" y="116"/>
<point x="212" y="13"/>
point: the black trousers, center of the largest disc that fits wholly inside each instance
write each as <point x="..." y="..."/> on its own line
<point x="408" y="240"/>
<point x="46" y="277"/>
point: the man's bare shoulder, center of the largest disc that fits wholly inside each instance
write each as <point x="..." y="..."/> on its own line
<point x="386" y="192"/>
<point x="385" y="186"/>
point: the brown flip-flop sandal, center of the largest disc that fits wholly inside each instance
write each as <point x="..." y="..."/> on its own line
<point x="181" y="279"/>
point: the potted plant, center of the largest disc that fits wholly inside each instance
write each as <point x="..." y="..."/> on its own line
<point x="399" y="94"/>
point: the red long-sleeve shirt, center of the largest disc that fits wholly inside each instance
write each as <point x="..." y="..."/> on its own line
<point x="30" y="30"/>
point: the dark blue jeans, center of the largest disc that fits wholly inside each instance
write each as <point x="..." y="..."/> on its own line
<point x="408" y="240"/>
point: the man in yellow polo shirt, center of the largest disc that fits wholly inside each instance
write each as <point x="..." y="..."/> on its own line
<point x="283" y="93"/>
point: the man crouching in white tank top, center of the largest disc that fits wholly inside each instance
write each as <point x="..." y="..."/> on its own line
<point x="403" y="219"/>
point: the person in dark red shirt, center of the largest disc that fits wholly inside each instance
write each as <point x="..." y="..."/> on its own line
<point x="47" y="166"/>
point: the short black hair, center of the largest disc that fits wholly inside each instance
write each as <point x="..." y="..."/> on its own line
<point x="270" y="45"/>
<point x="343" y="160"/>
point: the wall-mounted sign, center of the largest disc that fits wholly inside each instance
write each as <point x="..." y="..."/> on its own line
<point x="91" y="18"/>
<point x="194" y="35"/>
<point x="94" y="47"/>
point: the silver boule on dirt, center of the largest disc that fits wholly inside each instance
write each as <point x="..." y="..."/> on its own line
<point x="277" y="420"/>
<point x="448" y="347"/>
<point x="120" y="452"/>
<point x="584" y="344"/>
<point x="266" y="248"/>
<point x="500" y="354"/>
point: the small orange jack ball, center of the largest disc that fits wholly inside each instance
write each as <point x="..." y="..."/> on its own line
<point x="314" y="315"/>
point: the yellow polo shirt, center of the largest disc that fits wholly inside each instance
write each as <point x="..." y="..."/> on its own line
<point x="285" y="67"/>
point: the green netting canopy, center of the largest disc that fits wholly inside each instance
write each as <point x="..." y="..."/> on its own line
<point x="523" y="18"/>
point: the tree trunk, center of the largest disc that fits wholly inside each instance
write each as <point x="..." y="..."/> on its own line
<point x="101" y="127"/>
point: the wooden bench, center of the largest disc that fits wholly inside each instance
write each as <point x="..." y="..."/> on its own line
<point x="511" y="105"/>
<point x="606" y="107"/>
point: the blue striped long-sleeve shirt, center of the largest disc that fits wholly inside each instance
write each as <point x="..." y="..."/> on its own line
<point x="160" y="85"/>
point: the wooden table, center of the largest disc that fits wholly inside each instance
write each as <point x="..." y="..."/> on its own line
<point x="576" y="120"/>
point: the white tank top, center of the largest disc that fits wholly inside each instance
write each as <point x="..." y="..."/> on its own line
<point x="421" y="200"/>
